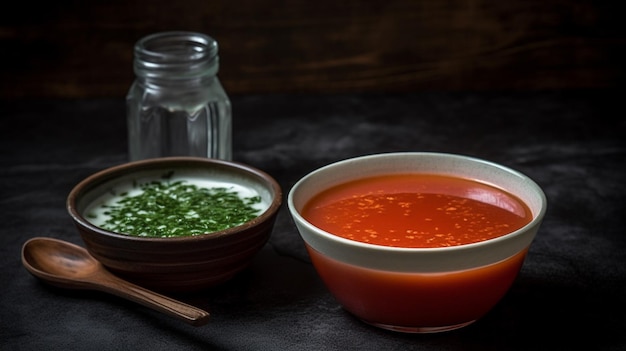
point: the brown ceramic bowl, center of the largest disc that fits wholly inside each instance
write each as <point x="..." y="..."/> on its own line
<point x="185" y="263"/>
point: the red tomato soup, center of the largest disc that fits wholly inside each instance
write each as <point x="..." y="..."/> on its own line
<point x="417" y="210"/>
<point x="426" y="300"/>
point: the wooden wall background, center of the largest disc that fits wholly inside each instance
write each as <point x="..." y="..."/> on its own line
<point x="76" y="49"/>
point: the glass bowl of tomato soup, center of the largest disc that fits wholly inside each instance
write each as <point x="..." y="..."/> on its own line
<point x="417" y="242"/>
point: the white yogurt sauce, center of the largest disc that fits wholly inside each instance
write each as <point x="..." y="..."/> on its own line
<point x="95" y="212"/>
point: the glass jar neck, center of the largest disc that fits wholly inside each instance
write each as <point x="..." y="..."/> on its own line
<point x="176" y="56"/>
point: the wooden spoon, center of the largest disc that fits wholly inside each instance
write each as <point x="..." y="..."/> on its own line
<point x="66" y="265"/>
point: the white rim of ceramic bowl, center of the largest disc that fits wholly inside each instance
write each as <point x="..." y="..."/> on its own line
<point x="424" y="260"/>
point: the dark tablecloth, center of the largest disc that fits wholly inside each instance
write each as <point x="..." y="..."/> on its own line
<point x="571" y="292"/>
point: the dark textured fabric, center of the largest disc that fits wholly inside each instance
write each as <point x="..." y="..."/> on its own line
<point x="571" y="292"/>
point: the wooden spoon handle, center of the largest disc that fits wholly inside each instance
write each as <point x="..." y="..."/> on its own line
<point x="190" y="314"/>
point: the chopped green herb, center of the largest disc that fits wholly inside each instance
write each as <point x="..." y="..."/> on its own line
<point x="172" y="209"/>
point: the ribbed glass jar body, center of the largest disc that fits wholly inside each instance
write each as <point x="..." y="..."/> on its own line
<point x="176" y="106"/>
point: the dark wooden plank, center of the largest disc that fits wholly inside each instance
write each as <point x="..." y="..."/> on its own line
<point x="84" y="49"/>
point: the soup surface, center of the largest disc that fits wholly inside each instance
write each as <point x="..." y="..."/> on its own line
<point x="417" y="211"/>
<point x="174" y="206"/>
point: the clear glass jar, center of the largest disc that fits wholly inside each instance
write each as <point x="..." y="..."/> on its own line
<point x="176" y="106"/>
